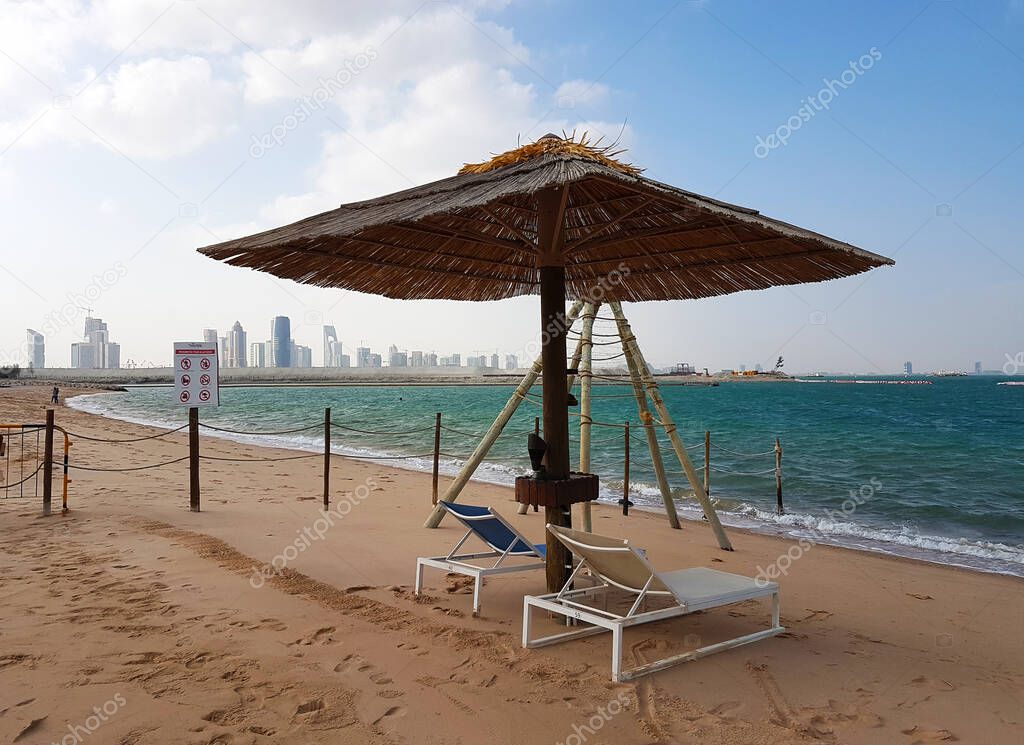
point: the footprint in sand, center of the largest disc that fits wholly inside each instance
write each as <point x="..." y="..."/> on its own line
<point x="923" y="735"/>
<point x="392" y="712"/>
<point x="357" y="663"/>
<point x="322" y="636"/>
<point x="934" y="684"/>
<point x="413" y="648"/>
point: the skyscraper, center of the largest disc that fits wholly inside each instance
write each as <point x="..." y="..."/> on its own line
<point x="236" y="346"/>
<point x="281" y="341"/>
<point x="332" y="348"/>
<point x="301" y="356"/>
<point x="83" y="355"/>
<point x="396" y="358"/>
<point x="210" y="337"/>
<point x="908" y="368"/>
<point x="416" y="358"/>
<point x="258" y="354"/>
<point x="511" y="362"/>
<point x="36" y="348"/>
<point x="362" y="356"/>
<point x="494" y="361"/>
<point x="977" y="368"/>
<point x="97" y="351"/>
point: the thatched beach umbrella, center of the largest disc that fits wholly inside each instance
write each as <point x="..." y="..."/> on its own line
<point x="559" y="218"/>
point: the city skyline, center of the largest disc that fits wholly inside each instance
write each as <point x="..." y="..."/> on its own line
<point x="235" y="351"/>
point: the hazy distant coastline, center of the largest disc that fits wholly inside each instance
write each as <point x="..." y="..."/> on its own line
<point x="341" y="376"/>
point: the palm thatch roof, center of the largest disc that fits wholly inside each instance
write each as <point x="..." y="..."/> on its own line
<point x="474" y="236"/>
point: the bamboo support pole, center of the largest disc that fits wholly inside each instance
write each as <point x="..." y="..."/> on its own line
<point x="647" y="420"/>
<point x="492" y="434"/>
<point x="632" y="348"/>
<point x="586" y="345"/>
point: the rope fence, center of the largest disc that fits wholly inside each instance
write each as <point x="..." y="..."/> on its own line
<point x="608" y="458"/>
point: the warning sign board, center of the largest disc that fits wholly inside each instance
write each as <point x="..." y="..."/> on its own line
<point x="191" y="389"/>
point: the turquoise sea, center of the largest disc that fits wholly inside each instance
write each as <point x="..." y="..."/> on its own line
<point x="929" y="471"/>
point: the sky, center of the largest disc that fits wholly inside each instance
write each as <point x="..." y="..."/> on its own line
<point x="134" y="131"/>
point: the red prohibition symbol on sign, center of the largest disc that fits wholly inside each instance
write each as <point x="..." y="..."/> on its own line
<point x="204" y="395"/>
<point x="204" y="363"/>
<point x="186" y="363"/>
<point x="186" y="380"/>
<point x="204" y="379"/>
<point x="185" y="396"/>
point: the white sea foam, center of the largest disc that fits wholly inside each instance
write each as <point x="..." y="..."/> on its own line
<point x="897" y="540"/>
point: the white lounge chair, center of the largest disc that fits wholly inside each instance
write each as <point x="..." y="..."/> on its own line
<point x="618" y="565"/>
<point x="504" y="541"/>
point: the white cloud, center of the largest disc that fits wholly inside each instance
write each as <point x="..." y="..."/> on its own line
<point x="157" y="108"/>
<point x="578" y="93"/>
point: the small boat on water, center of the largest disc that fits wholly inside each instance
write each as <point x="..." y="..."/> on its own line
<point x="1012" y="382"/>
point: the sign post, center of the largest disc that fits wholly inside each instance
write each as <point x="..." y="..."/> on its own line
<point x="196" y="383"/>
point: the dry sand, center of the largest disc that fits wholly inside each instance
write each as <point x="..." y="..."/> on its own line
<point x="132" y="620"/>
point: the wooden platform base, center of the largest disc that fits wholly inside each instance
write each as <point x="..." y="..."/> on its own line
<point x="579" y="487"/>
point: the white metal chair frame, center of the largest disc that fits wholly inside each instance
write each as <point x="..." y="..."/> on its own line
<point x="564" y="603"/>
<point x="458" y="563"/>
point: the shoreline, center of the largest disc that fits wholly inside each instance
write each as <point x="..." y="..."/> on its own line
<point x="794" y="527"/>
<point x="162" y="608"/>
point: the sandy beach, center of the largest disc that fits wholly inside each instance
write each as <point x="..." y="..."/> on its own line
<point x="130" y="620"/>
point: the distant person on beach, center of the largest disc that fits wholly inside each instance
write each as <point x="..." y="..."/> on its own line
<point x="55" y="397"/>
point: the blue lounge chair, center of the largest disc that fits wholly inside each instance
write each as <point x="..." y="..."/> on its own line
<point x="504" y="541"/>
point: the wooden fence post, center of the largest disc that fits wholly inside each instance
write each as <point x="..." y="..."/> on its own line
<point x="625" y="474"/>
<point x="437" y="456"/>
<point x="778" y="475"/>
<point x="327" y="458"/>
<point x="193" y="459"/>
<point x="707" y="462"/>
<point x="48" y="464"/>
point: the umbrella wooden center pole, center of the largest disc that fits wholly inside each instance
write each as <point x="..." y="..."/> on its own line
<point x="553" y="328"/>
<point x="556" y="413"/>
